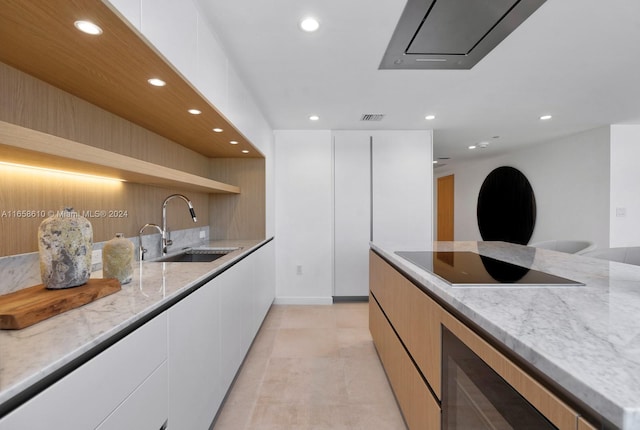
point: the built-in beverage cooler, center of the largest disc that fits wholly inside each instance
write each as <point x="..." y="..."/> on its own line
<point x="475" y="397"/>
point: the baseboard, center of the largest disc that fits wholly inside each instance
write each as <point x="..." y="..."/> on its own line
<point x="303" y="301"/>
<point x="350" y="299"/>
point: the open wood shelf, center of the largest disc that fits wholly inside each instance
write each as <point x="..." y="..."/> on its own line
<point x="29" y="147"/>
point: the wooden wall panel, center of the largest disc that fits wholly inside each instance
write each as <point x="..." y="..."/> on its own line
<point x="32" y="103"/>
<point x="29" y="102"/>
<point x="239" y="216"/>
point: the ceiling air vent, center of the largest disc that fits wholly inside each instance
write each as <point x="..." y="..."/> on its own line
<point x="372" y="117"/>
<point x="452" y="34"/>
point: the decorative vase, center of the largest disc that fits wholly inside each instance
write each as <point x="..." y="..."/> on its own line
<point x="65" y="243"/>
<point x="117" y="259"/>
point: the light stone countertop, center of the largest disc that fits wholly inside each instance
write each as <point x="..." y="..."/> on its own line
<point x="29" y="355"/>
<point x="586" y="339"/>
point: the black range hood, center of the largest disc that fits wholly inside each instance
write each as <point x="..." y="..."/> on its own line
<point x="452" y="34"/>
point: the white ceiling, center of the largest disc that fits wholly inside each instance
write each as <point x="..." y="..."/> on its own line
<point x="578" y="60"/>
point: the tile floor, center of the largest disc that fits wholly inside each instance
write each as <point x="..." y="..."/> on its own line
<point x="312" y="367"/>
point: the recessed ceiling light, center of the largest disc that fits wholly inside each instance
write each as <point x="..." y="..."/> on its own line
<point x="472" y="147"/>
<point x="309" y="24"/>
<point x="234" y="142"/>
<point x="88" y="27"/>
<point x="314" y="117"/>
<point x="430" y="117"/>
<point x="245" y="151"/>
<point x="157" y="82"/>
<point x="218" y="130"/>
<point x="194" y="111"/>
<point x="545" y="117"/>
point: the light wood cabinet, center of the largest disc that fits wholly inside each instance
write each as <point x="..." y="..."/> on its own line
<point x="419" y="408"/>
<point x="408" y="316"/>
<point x="584" y="424"/>
<point x="416" y="318"/>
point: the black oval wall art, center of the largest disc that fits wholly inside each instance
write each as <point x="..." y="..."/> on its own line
<point x="506" y="206"/>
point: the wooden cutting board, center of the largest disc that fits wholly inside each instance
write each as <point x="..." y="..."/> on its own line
<point x="26" y="307"/>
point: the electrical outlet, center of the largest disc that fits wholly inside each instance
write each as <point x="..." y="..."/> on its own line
<point x="202" y="234"/>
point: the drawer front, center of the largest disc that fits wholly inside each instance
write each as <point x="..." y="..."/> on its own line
<point x="146" y="408"/>
<point x="85" y="397"/>
<point x="419" y="408"/>
<point x="414" y="315"/>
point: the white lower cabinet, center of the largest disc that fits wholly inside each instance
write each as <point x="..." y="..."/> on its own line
<point x="101" y="389"/>
<point x="174" y="369"/>
<point x="195" y="390"/>
<point x="210" y="332"/>
<point x="145" y="408"/>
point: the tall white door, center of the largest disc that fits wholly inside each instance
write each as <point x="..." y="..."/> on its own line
<point x="352" y="207"/>
<point x="403" y="189"/>
<point x="383" y="191"/>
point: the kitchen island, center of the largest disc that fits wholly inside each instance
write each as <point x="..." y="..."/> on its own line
<point x="581" y="342"/>
<point x="168" y="313"/>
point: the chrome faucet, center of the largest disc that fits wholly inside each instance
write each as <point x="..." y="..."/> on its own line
<point x="166" y="242"/>
<point x="142" y="249"/>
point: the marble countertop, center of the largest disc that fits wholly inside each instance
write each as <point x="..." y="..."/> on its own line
<point x="29" y="355"/>
<point x="585" y="339"/>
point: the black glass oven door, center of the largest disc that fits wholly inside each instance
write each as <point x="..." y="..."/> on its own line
<point x="474" y="397"/>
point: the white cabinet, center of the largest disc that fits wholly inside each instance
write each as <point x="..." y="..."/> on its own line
<point x="210" y="332"/>
<point x="145" y="408"/>
<point x="382" y="192"/>
<point x="85" y="398"/>
<point x="172" y="27"/>
<point x="352" y="212"/>
<point x="195" y="391"/>
<point x="264" y="278"/>
<point x="402" y="189"/>
<point x="211" y="76"/>
<point x="130" y="9"/>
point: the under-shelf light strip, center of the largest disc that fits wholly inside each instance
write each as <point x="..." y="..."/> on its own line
<point x="46" y="169"/>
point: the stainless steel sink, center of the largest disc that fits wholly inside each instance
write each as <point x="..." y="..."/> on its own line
<point x="196" y="255"/>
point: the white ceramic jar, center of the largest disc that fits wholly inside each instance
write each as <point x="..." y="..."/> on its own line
<point x="117" y="259"/>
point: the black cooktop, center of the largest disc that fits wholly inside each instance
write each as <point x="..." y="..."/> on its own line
<point x="468" y="269"/>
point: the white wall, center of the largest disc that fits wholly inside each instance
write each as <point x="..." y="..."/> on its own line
<point x="303" y="215"/>
<point x="570" y="179"/>
<point x="625" y="183"/>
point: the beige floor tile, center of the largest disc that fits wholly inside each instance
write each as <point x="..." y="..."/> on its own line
<point x="312" y="368"/>
<point x="309" y="316"/>
<point x="274" y="317"/>
<point x="305" y="342"/>
<point x="351" y="315"/>
<point x="311" y="381"/>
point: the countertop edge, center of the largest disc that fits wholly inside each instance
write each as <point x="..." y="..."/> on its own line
<point x="22" y="391"/>
<point x="621" y="416"/>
